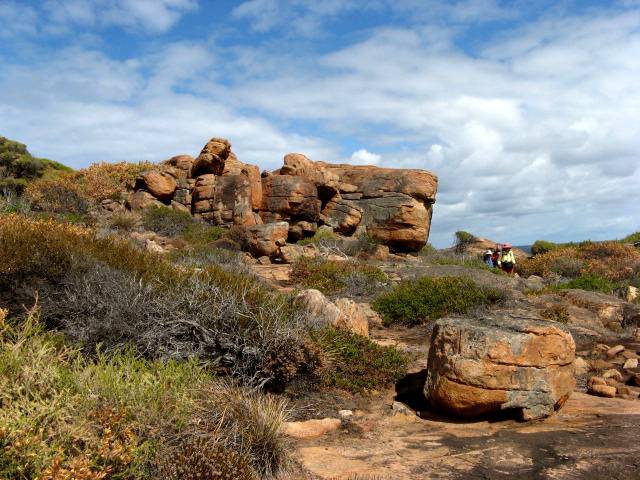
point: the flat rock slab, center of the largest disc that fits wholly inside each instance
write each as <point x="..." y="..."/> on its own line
<point x="483" y="365"/>
<point x="589" y="438"/>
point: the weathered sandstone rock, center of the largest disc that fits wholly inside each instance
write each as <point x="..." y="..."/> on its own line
<point x="160" y="185"/>
<point x="142" y="199"/>
<point x="212" y="157"/>
<point x="478" y="366"/>
<point x="311" y="428"/>
<point x="353" y="317"/>
<point x="290" y="197"/>
<point x="266" y="239"/>
<point x="344" y="314"/>
<point x="181" y="166"/>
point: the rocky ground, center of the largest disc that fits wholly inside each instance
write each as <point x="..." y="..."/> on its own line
<point x="393" y="434"/>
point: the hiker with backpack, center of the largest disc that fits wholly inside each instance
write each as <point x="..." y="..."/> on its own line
<point x="507" y="260"/>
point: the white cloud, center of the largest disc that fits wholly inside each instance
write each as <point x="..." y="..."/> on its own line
<point x="153" y="16"/>
<point x="17" y="20"/>
<point x="535" y="135"/>
<point x="363" y="157"/>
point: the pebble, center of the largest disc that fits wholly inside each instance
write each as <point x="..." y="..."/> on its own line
<point x="602" y="391"/>
<point x="613" y="374"/>
<point x="613" y="351"/>
<point x="345" y="414"/>
<point x="631" y="363"/>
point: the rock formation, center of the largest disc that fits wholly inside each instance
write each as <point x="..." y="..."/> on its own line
<point x="392" y="205"/>
<point x="479" y="366"/>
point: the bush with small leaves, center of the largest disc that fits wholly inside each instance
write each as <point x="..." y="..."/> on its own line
<point x="331" y="277"/>
<point x="417" y="302"/>
<point x="556" y="313"/>
<point x="124" y="220"/>
<point x="357" y="364"/>
<point x="202" y="458"/>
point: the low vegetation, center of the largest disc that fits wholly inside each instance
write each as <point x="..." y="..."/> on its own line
<point x="331" y="277"/>
<point x="67" y="416"/>
<point x="18" y="167"/>
<point x="615" y="262"/>
<point x="356" y="363"/>
<point x="172" y="223"/>
<point x="417" y="302"/>
<point x="556" y="313"/>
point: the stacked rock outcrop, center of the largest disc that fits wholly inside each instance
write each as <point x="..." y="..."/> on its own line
<point x="392" y="205"/>
<point x="484" y="365"/>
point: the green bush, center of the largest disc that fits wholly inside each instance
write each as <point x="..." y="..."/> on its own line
<point x="166" y="221"/>
<point x="417" y="302"/>
<point x="319" y="238"/>
<point x="542" y="246"/>
<point x="123" y="220"/>
<point x="356" y="363"/>
<point x="593" y="282"/>
<point x="330" y="277"/>
<point x="172" y="223"/>
<point x="462" y="240"/>
<point x="632" y="238"/>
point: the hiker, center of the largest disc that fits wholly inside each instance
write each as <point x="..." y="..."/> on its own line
<point x="495" y="256"/>
<point x="507" y="260"/>
<point x="487" y="258"/>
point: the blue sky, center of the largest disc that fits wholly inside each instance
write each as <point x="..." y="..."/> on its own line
<point x="527" y="110"/>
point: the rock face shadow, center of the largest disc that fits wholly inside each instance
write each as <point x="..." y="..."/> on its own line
<point x="410" y="392"/>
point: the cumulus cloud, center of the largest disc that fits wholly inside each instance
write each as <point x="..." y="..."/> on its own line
<point x="363" y="157"/>
<point x="17" y="19"/>
<point x="533" y="132"/>
<point x="154" y="16"/>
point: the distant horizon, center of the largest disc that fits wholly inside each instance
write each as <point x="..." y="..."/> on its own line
<point x="526" y="111"/>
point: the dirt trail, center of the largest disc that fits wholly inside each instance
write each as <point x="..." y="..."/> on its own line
<point x="589" y="438"/>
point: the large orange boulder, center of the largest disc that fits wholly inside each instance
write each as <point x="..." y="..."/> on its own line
<point x="224" y="200"/>
<point x="393" y="205"/>
<point x="161" y="185"/>
<point x="290" y="197"/>
<point x="266" y="239"/>
<point x="484" y="365"/>
<point x="212" y="157"/>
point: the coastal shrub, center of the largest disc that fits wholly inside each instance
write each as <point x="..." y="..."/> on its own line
<point x="173" y="223"/>
<point x="166" y="221"/>
<point x="364" y="244"/>
<point x="542" y="246"/>
<point x="108" y="180"/>
<point x="331" y="277"/>
<point x="204" y="255"/>
<point x="593" y="282"/>
<point x="356" y="363"/>
<point x="202" y="233"/>
<point x="106" y="293"/>
<point x="11" y="202"/>
<point x="462" y="241"/>
<point x="67" y="416"/>
<point x="428" y="250"/>
<point x="123" y="220"/>
<point x="59" y="195"/>
<point x="632" y="238"/>
<point x="417" y="302"/>
<point x="198" y="458"/>
<point x="322" y="237"/>
<point x="556" y="313"/>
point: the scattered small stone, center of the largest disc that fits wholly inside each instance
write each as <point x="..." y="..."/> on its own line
<point x="602" y="391"/>
<point x="631" y="363"/>
<point x="400" y="408"/>
<point x="345" y="414"/>
<point x="580" y="366"/>
<point x="602" y="347"/>
<point x="612" y="373"/>
<point x="596" y="381"/>
<point x="613" y="351"/>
